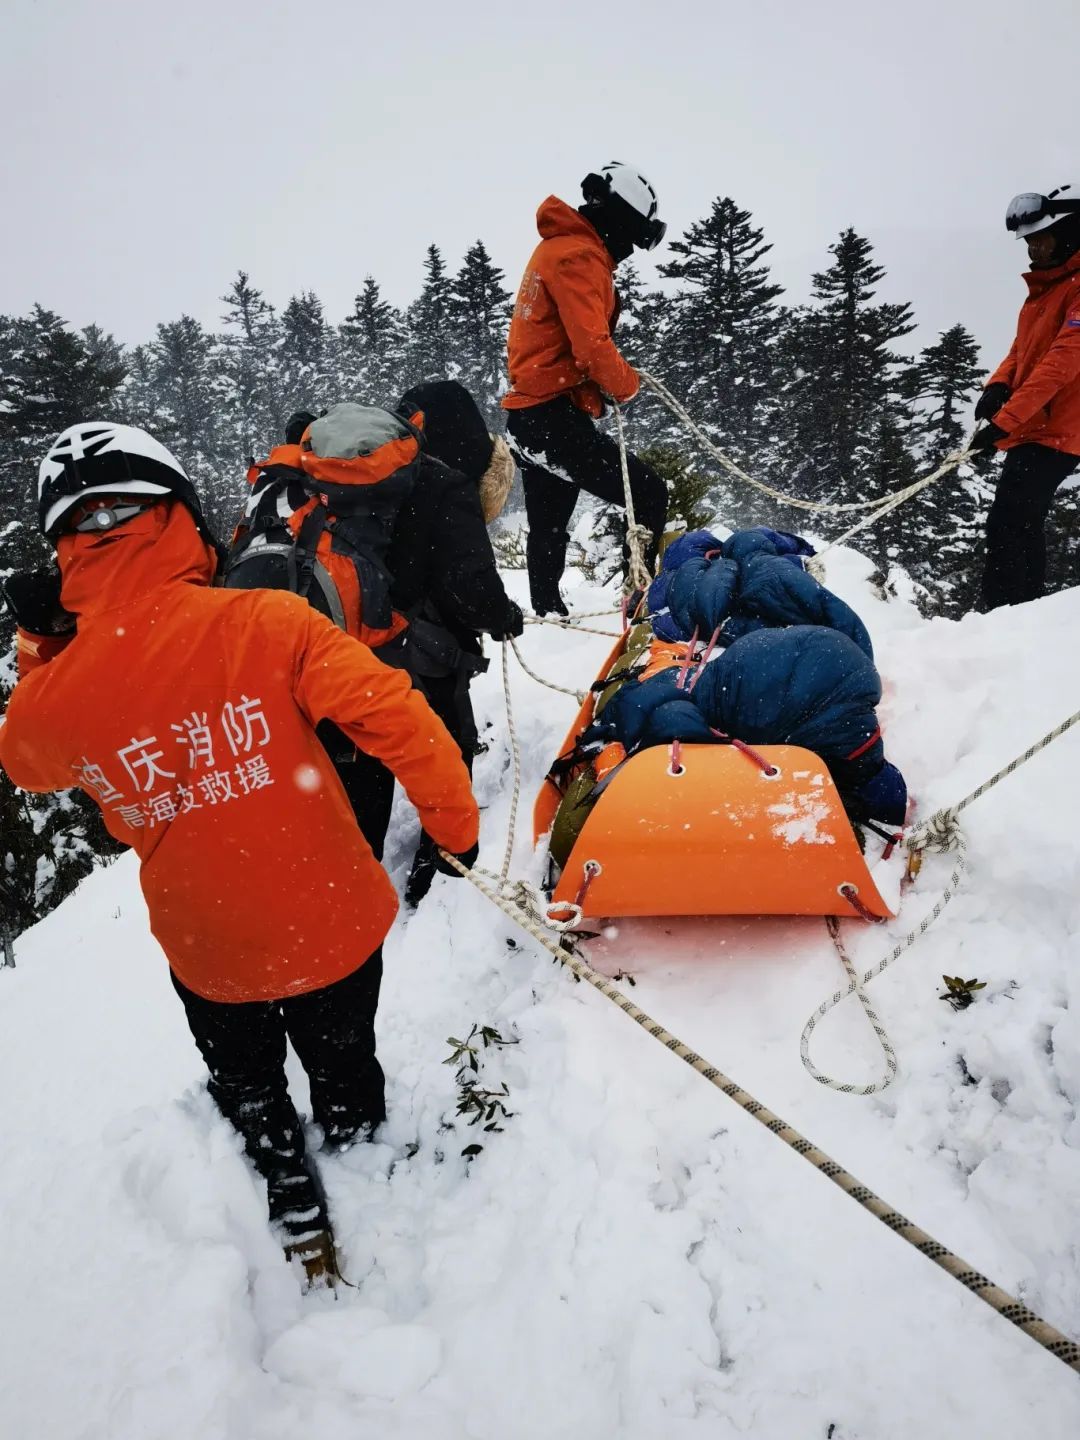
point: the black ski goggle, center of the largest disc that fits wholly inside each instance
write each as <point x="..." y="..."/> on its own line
<point x="1028" y="208"/>
<point x="652" y="234"/>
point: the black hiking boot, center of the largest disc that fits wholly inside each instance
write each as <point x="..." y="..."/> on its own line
<point x="318" y="1255"/>
<point x="422" y="873"/>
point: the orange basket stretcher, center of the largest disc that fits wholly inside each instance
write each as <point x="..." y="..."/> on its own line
<point x="707" y="830"/>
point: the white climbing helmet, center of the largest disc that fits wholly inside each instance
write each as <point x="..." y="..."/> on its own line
<point x="1029" y="213"/>
<point x="98" y="457"/>
<point x="633" y="189"/>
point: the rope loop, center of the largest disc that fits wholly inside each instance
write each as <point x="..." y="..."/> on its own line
<point x="939" y="834"/>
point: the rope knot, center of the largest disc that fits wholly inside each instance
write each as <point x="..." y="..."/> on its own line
<point x="940" y="833"/>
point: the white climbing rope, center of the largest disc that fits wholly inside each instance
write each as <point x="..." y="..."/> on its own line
<point x="945" y="836"/>
<point x="942" y="832"/>
<point x="1006" y="1305"/>
<point x="570" y="625"/>
<point x="726" y="462"/>
<point x="950" y="463"/>
<point x="638" y="537"/>
<point x="515" y="754"/>
<point x="578" y="695"/>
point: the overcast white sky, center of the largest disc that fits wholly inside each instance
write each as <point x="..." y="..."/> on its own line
<point x="151" y="149"/>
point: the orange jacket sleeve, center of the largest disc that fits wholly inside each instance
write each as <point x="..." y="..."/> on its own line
<point x="1060" y="366"/>
<point x="33" y="651"/>
<point x="1006" y="371"/>
<point x="572" y="286"/>
<point x="339" y="679"/>
<point x="22" y="755"/>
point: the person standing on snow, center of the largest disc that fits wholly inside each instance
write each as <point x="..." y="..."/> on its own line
<point x="1031" y="403"/>
<point x="444" y="574"/>
<point x="564" y="366"/>
<point x="188" y="715"/>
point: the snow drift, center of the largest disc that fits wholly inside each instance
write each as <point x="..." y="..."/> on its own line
<point x="631" y="1256"/>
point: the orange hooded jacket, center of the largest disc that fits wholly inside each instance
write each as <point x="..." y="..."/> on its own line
<point x="1043" y="366"/>
<point x="188" y="714"/>
<point x="560" y="335"/>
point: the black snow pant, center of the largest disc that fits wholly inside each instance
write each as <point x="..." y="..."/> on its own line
<point x="370" y="788"/>
<point x="1015" y="566"/>
<point x="333" y="1033"/>
<point x="449" y="697"/>
<point x="561" y="453"/>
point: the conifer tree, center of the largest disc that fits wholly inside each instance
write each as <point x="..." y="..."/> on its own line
<point x="306" y="360"/>
<point x="480" y="313"/>
<point x="639" y="335"/>
<point x="50" y="377"/>
<point x="431" y="346"/>
<point x="842" y="384"/>
<point x="188" y="391"/>
<point x="937" y="535"/>
<point x="721" y="330"/>
<point x="371" y="359"/>
<point x="947" y="375"/>
<point x="246" y="363"/>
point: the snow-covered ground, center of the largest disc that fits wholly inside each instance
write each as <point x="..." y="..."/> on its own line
<point x="632" y="1256"/>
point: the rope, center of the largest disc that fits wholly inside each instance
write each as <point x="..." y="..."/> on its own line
<point x="608" y="614"/>
<point x="569" y="625"/>
<point x="941" y="816"/>
<point x="944" y="835"/>
<point x="951" y="462"/>
<point x="515" y="752"/>
<point x="941" y="832"/>
<point x="680" y="413"/>
<point x="1066" y="1350"/>
<point x="638" y="537"/>
<point x="578" y="695"/>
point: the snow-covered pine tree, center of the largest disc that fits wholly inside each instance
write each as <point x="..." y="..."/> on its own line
<point x="431" y="347"/>
<point x="252" y="409"/>
<point x="638" y="335"/>
<point x="190" y="393"/>
<point x="842" y="390"/>
<point x="480" y="314"/>
<point x="371" y="360"/>
<point x="717" y="344"/>
<point x="50" y="377"/>
<point x="937" y="535"/>
<point x="307" y="362"/>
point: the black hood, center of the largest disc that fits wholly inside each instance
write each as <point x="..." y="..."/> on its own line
<point x="455" y="432"/>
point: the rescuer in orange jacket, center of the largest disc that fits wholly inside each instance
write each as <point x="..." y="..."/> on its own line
<point x="1032" y="401"/>
<point x="188" y="715"/>
<point x="564" y="365"/>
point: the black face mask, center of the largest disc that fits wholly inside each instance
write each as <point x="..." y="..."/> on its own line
<point x="616" y="236"/>
<point x="1067" y="239"/>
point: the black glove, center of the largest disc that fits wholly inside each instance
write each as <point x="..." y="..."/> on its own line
<point x="513" y="624"/>
<point x="466" y="858"/>
<point x="987" y="436"/>
<point x="34" y="601"/>
<point x="991" y="400"/>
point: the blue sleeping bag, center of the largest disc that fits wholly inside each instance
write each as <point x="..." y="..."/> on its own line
<point x="804" y="685"/>
<point x="753" y="580"/>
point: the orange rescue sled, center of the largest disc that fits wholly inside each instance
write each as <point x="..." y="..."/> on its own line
<point x="723" y="837"/>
